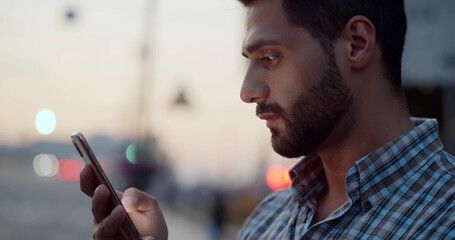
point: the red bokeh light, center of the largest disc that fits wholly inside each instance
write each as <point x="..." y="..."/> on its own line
<point x="69" y="170"/>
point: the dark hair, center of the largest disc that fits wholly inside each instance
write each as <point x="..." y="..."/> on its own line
<point x="325" y="19"/>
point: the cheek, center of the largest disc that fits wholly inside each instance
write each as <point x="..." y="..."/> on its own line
<point x="286" y="88"/>
<point x="342" y="62"/>
<point x="309" y="65"/>
<point x="295" y="76"/>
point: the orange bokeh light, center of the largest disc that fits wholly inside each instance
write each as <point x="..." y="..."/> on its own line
<point x="278" y="178"/>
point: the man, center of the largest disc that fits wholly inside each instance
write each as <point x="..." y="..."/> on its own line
<point x="326" y="77"/>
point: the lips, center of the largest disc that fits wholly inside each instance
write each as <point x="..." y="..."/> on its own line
<point x="270" y="118"/>
<point x="267" y="116"/>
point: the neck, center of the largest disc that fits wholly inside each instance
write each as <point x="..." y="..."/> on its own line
<point x="368" y="125"/>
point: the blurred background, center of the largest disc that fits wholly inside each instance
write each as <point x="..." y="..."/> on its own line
<point x="154" y="86"/>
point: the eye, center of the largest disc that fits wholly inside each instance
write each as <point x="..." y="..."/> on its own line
<point x="269" y="59"/>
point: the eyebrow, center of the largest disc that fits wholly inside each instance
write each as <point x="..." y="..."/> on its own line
<point x="257" y="45"/>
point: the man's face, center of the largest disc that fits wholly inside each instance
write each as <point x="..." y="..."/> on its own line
<point x="296" y="85"/>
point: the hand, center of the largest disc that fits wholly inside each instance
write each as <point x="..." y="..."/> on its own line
<point x="142" y="208"/>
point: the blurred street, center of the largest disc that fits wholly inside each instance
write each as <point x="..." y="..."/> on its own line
<point x="155" y="86"/>
<point x="33" y="207"/>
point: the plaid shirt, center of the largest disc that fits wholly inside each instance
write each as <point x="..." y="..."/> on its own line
<point x="403" y="190"/>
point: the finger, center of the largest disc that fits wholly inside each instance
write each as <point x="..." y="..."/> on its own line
<point x="147" y="238"/>
<point x="119" y="194"/>
<point x="109" y="227"/>
<point x="100" y="203"/>
<point x="136" y="200"/>
<point x="88" y="182"/>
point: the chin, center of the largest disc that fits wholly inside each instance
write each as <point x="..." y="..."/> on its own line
<point x="292" y="148"/>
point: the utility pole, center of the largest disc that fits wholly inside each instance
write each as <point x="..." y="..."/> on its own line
<point x="145" y="164"/>
<point x="143" y="129"/>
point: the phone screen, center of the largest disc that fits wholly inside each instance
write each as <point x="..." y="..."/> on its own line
<point x="128" y="230"/>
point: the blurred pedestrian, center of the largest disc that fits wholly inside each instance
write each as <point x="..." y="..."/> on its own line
<point x="217" y="216"/>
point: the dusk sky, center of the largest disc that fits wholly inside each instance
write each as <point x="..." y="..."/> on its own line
<point x="86" y="68"/>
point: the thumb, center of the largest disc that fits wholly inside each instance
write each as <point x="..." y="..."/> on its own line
<point x="136" y="200"/>
<point x="148" y="238"/>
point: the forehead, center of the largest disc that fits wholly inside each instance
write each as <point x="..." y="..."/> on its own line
<point x="266" y="22"/>
<point x="264" y="11"/>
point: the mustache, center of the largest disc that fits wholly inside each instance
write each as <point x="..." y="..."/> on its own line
<point x="269" y="108"/>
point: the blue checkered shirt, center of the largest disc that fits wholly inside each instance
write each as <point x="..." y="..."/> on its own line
<point x="403" y="190"/>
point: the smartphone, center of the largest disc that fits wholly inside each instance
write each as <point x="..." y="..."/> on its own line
<point x="128" y="230"/>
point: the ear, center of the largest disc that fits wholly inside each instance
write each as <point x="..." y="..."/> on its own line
<point x="360" y="38"/>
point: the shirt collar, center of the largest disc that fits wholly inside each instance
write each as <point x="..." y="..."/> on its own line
<point x="376" y="175"/>
<point x="308" y="178"/>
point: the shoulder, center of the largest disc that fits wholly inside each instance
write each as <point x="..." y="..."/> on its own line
<point x="440" y="214"/>
<point x="445" y="162"/>
<point x="271" y="205"/>
<point x="430" y="201"/>
<point x="440" y="172"/>
<point x="436" y="179"/>
<point x="265" y="213"/>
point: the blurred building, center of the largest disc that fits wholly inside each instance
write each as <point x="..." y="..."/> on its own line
<point x="429" y="64"/>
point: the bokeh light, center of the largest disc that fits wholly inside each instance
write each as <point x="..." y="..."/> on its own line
<point x="278" y="178"/>
<point x="69" y="170"/>
<point x="131" y="153"/>
<point x="45" y="165"/>
<point x="45" y="121"/>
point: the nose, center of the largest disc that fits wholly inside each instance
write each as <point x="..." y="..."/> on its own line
<point x="254" y="89"/>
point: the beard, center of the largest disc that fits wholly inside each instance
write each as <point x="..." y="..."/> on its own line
<point x="312" y="116"/>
